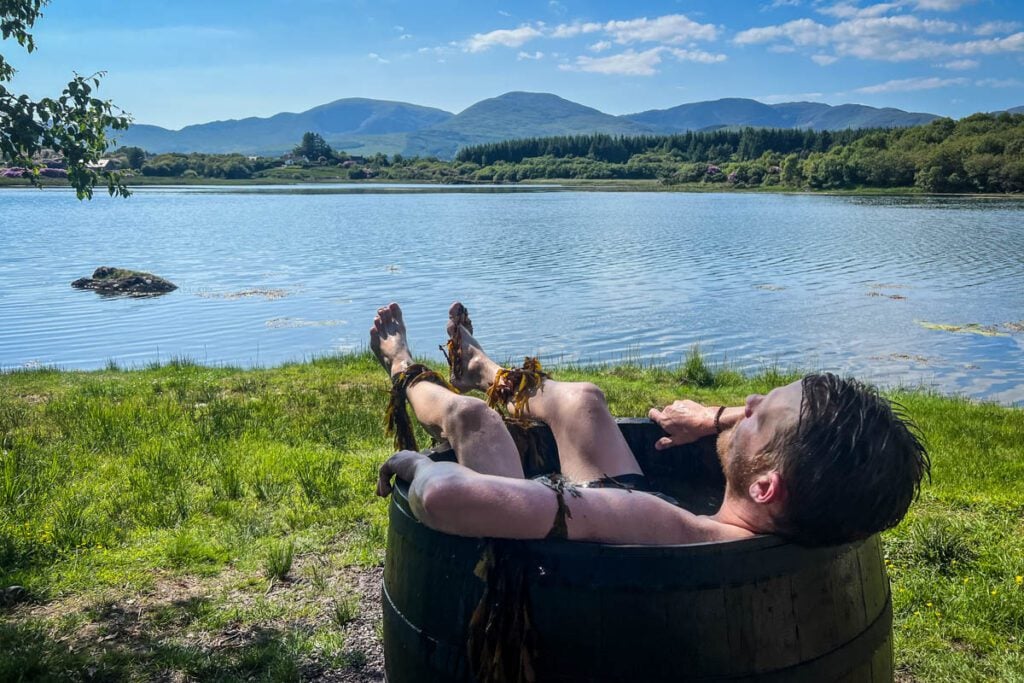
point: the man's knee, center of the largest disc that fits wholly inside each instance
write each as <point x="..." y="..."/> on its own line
<point x="468" y="413"/>
<point x="586" y="394"/>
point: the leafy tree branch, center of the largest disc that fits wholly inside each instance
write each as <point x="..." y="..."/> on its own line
<point x="73" y="124"/>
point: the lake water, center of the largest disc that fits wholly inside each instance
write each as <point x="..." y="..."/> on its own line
<point x="269" y="275"/>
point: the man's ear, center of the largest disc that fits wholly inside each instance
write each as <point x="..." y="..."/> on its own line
<point x="767" y="488"/>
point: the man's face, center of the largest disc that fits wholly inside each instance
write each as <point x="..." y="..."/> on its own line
<point x="740" y="449"/>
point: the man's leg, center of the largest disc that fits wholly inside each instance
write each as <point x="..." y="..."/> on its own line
<point x="476" y="433"/>
<point x="590" y="445"/>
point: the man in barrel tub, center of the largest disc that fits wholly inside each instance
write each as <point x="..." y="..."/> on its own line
<point x="820" y="461"/>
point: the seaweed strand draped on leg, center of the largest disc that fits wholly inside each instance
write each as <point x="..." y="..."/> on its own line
<point x="516" y="386"/>
<point x="453" y="349"/>
<point x="502" y="643"/>
<point x="397" y="415"/>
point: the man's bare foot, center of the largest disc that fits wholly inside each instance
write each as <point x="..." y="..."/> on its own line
<point x="387" y="339"/>
<point x="477" y="370"/>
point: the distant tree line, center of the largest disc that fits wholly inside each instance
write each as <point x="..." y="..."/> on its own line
<point x="229" y="166"/>
<point x="716" y="146"/>
<point x="980" y="153"/>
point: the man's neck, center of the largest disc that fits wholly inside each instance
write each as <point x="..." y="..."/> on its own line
<point x="743" y="514"/>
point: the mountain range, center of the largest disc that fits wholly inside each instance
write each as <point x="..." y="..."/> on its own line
<point x="366" y="126"/>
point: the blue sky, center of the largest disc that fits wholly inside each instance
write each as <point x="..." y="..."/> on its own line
<point x="186" y="61"/>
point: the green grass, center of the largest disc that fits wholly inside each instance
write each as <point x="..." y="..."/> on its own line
<point x="199" y="520"/>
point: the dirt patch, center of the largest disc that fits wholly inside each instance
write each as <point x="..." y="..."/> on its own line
<point x="904" y="676"/>
<point x="220" y="623"/>
<point x="363" y="632"/>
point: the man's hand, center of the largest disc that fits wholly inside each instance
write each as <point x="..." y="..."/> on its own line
<point x="402" y="464"/>
<point x="684" y="421"/>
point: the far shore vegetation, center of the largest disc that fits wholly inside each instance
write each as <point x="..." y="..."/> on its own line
<point x="980" y="154"/>
<point x="183" y="522"/>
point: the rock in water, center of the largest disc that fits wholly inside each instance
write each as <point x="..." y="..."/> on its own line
<point x="108" y="280"/>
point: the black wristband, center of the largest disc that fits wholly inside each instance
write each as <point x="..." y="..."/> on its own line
<point x="718" y="420"/>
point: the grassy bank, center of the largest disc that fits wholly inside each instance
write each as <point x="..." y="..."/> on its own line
<point x="220" y="523"/>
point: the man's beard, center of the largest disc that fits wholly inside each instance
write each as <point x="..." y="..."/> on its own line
<point x="740" y="468"/>
<point x="723" y="446"/>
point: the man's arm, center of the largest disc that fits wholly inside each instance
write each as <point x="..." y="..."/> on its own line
<point x="687" y="421"/>
<point x="456" y="500"/>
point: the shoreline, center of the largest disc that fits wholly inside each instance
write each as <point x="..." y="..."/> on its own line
<point x="568" y="184"/>
<point x="898" y="386"/>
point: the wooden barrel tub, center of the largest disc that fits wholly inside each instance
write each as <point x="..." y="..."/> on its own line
<point x="757" y="609"/>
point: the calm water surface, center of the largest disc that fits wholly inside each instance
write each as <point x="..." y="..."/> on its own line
<point x="269" y="275"/>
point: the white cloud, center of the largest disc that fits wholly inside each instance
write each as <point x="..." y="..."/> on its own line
<point x="506" y="37"/>
<point x="435" y="51"/>
<point x="628" y="63"/>
<point x="911" y="84"/>
<point x="671" y="28"/>
<point x="824" y="60"/>
<point x="962" y="64"/>
<point x="893" y="38"/>
<point x="697" y="56"/>
<point x="850" y="10"/>
<point x="530" y="55"/>
<point x="942" y="5"/>
<point x="999" y="83"/>
<point x="776" y="4"/>
<point x="574" y="29"/>
<point x="845" y="9"/>
<point x="400" y="29"/>
<point x="671" y="31"/>
<point x="405" y="36"/>
<point x="799" y="31"/>
<point x="781" y="49"/>
<point x="992" y="27"/>
<point x="377" y="58"/>
<point x="557" y="7"/>
<point x="633" y="63"/>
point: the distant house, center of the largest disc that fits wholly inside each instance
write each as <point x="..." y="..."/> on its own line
<point x="104" y="165"/>
<point x="291" y="159"/>
<point x="356" y="159"/>
<point x="252" y="157"/>
<point x="47" y="158"/>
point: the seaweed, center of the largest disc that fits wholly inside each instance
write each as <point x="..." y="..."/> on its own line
<point x="516" y="386"/>
<point x="965" y="328"/>
<point x="397" y="415"/>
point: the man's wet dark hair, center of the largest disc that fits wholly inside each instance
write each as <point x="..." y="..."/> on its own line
<point x="851" y="466"/>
